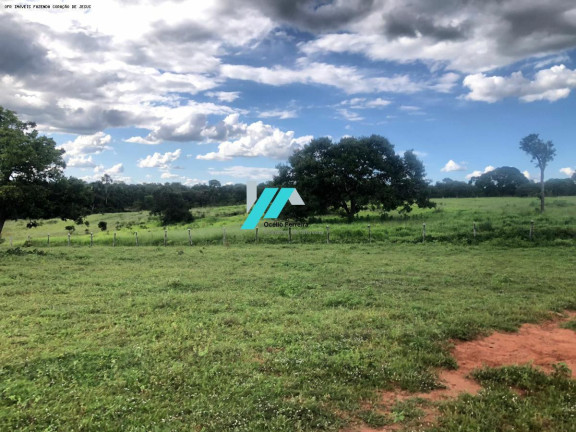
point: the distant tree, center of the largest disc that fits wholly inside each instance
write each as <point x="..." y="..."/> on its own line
<point x="541" y="153"/>
<point x="448" y="188"/>
<point x="106" y="181"/>
<point x="103" y="225"/>
<point x="352" y="174"/>
<point x="28" y="164"/>
<point x="502" y="181"/>
<point x="70" y="228"/>
<point x="171" y="207"/>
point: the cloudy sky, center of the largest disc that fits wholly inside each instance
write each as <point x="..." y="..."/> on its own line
<point x="188" y="91"/>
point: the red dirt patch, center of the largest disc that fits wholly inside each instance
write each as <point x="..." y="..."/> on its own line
<point x="541" y="345"/>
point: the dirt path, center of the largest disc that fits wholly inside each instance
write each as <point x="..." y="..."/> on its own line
<point x="540" y="344"/>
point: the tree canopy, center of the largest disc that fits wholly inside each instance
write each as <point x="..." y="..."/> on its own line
<point x="353" y="173"/>
<point x="503" y="181"/>
<point x="28" y="162"/>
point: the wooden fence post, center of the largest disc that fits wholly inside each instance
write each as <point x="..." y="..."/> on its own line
<point x="68" y="239"/>
<point x="474" y="229"/>
<point x="327" y="234"/>
<point x="531" y="229"/>
<point x="190" y="236"/>
<point x="224" y="236"/>
<point x="165" y="237"/>
<point x="290" y="234"/>
<point x="91" y="239"/>
<point x="114" y="241"/>
<point x="10" y="241"/>
<point x="136" y="233"/>
<point x="256" y="238"/>
<point x="48" y="240"/>
<point x="369" y="234"/>
<point x="424" y="232"/>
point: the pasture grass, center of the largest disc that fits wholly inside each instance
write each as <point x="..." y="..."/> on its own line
<point x="499" y="221"/>
<point x="265" y="337"/>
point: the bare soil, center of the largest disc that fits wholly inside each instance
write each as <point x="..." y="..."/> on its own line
<point x="541" y="345"/>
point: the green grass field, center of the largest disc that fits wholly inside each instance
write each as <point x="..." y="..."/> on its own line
<point x="499" y="221"/>
<point x="278" y="337"/>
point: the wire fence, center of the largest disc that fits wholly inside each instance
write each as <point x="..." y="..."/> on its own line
<point x="474" y="234"/>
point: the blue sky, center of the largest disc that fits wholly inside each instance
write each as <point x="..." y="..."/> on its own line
<point x="191" y="91"/>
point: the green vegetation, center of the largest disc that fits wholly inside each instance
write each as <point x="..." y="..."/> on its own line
<point x="283" y="337"/>
<point x="499" y="221"/>
<point x="255" y="337"/>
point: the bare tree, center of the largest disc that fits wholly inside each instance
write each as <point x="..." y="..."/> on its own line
<point x="541" y="152"/>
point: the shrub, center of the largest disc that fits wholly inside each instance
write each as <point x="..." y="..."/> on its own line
<point x="103" y="225"/>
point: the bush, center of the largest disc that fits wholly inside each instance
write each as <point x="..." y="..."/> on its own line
<point x="70" y="228"/>
<point x="103" y="225"/>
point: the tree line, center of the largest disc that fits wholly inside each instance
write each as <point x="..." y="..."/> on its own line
<point x="502" y="181"/>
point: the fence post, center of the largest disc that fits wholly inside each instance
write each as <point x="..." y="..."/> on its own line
<point x="327" y="234"/>
<point x="531" y="229"/>
<point x="369" y="234"/>
<point x="10" y="241"/>
<point x="136" y="233"/>
<point x="91" y="239"/>
<point x="224" y="236"/>
<point x="165" y="237"/>
<point x="424" y="232"/>
<point x="190" y="236"/>
<point x="114" y="241"/>
<point x="256" y="238"/>
<point x="68" y="239"/>
<point x="474" y="229"/>
<point x="48" y="240"/>
<point x="290" y="234"/>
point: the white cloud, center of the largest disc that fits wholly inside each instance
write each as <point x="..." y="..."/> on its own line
<point x="568" y="171"/>
<point x="345" y="78"/>
<point x="350" y="115"/>
<point x="478" y="173"/>
<point x="365" y="103"/>
<point x="159" y="160"/>
<point x="281" y="114"/>
<point x="113" y="172"/>
<point x="224" y="96"/>
<point x="527" y="174"/>
<point x="257" y="139"/>
<point x="182" y="124"/>
<point x="87" y="144"/>
<point x="453" y="166"/>
<point x="244" y="172"/>
<point x="548" y="84"/>
<point x="194" y="181"/>
<point x="81" y="161"/>
<point x="167" y="175"/>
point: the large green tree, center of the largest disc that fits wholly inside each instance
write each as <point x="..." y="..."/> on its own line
<point x="28" y="163"/>
<point x="502" y="181"/>
<point x="353" y="173"/>
<point x="541" y="153"/>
